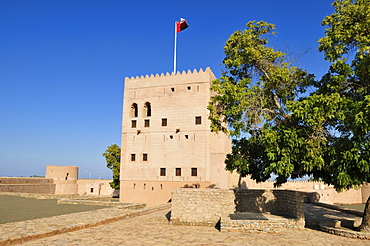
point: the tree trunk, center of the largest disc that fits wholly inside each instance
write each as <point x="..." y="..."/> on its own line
<point x="365" y="225"/>
<point x="240" y="181"/>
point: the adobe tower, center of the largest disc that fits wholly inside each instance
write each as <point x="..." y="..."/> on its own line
<point x="166" y="137"/>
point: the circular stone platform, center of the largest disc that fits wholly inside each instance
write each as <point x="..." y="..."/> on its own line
<point x="342" y="228"/>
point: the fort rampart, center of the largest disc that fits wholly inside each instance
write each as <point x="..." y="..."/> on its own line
<point x="27" y="185"/>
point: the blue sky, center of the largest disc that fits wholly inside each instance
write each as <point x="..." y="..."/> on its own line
<point x="63" y="62"/>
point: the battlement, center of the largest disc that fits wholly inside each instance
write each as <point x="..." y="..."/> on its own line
<point x="169" y="79"/>
<point x="58" y="166"/>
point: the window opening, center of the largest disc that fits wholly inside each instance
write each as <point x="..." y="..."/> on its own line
<point x="148" y="109"/>
<point x="198" y="120"/>
<point x="162" y="171"/>
<point x="187" y="136"/>
<point x="67" y="176"/>
<point x="171" y="136"/>
<point x="178" y="171"/>
<point x="194" y="171"/>
<point x="189" y="88"/>
<point x="146" y="123"/>
<point x="144" y="186"/>
<point x="152" y="188"/>
<point x="133" y="124"/>
<point x="91" y="190"/>
<point x="164" y="121"/>
<point x="134" y="110"/>
<point x="134" y="186"/>
<point x="173" y="89"/>
<point x="133" y="157"/>
<point x="161" y="187"/>
<point x="198" y="88"/>
<point x="145" y="157"/>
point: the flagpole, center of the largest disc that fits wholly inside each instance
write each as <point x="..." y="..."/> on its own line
<point x="174" y="56"/>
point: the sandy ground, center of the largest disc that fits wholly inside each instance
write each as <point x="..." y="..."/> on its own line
<point x="15" y="208"/>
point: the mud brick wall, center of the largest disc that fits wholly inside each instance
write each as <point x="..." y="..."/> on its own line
<point x="27" y="185"/>
<point x="201" y="206"/>
<point x="280" y="202"/>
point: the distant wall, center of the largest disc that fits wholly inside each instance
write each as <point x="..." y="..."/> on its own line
<point x="96" y="187"/>
<point x="327" y="192"/>
<point x="27" y="185"/>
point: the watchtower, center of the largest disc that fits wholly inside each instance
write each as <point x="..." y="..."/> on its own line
<point x="166" y="137"/>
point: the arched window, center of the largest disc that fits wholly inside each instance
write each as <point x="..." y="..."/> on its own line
<point x="147" y="109"/>
<point x="134" y="110"/>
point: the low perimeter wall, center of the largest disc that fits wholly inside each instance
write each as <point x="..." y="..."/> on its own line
<point x="27" y="185"/>
<point x="207" y="206"/>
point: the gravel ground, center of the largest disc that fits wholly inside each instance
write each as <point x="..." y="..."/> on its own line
<point x="358" y="207"/>
<point x="15" y="208"/>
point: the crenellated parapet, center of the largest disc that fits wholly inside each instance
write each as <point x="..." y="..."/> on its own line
<point x="169" y="79"/>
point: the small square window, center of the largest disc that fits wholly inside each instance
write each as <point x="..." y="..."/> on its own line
<point x="189" y="88"/>
<point x="162" y="171"/>
<point x="133" y="157"/>
<point x="164" y="122"/>
<point x="198" y="120"/>
<point x="194" y="171"/>
<point x="91" y="190"/>
<point x="145" y="157"/>
<point x="146" y="123"/>
<point x="187" y="136"/>
<point x="173" y="89"/>
<point x="133" y="124"/>
<point x="178" y="171"/>
<point x="171" y="136"/>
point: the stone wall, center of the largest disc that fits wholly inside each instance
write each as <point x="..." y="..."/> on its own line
<point x="280" y="202"/>
<point x="208" y="206"/>
<point x="201" y="206"/>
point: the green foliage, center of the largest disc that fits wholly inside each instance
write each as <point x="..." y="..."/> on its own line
<point x="255" y="96"/>
<point x="260" y="101"/>
<point x="347" y="46"/>
<point x="113" y="158"/>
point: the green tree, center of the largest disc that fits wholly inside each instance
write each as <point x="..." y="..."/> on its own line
<point x="347" y="46"/>
<point x="254" y="97"/>
<point x="277" y="129"/>
<point x="113" y="158"/>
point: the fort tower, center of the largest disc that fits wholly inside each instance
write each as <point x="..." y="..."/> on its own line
<point x="166" y="137"/>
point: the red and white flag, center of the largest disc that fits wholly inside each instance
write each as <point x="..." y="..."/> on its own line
<point x="181" y="25"/>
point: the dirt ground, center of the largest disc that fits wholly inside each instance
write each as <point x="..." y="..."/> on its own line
<point x="15" y="208"/>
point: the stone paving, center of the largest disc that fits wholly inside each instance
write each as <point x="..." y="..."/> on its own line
<point x="153" y="229"/>
<point x="17" y="232"/>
